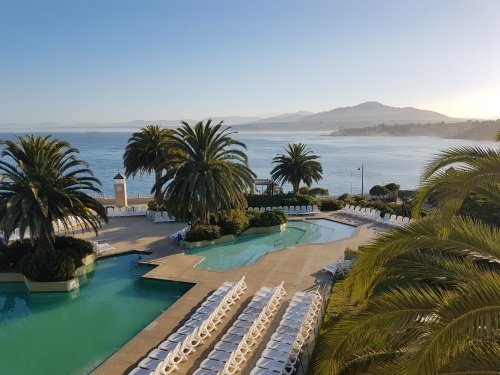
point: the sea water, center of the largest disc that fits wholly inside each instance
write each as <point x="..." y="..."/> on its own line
<point x="385" y="159"/>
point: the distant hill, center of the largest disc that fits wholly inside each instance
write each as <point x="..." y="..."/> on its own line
<point x="477" y="130"/>
<point x="361" y="115"/>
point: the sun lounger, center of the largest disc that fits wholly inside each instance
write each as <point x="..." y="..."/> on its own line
<point x="101" y="248"/>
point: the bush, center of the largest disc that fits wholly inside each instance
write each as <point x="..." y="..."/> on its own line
<point x="236" y="222"/>
<point x="12" y="255"/>
<point x="76" y="248"/>
<point x="330" y="204"/>
<point x="351" y="253"/>
<point x="155" y="206"/>
<point x="255" y="200"/>
<point x="203" y="233"/>
<point x="48" y="265"/>
<point x="269" y="219"/>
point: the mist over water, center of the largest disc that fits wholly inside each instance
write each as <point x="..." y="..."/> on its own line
<point x="385" y="159"/>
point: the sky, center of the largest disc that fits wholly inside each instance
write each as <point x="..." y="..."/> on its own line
<point x="124" y="60"/>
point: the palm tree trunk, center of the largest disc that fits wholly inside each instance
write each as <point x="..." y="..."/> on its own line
<point x="44" y="243"/>
<point x="295" y="186"/>
<point x="157" y="197"/>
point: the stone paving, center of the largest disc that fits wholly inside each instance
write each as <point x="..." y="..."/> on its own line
<point x="298" y="267"/>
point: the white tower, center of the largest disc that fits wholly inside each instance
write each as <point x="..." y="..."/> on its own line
<point x="120" y="191"/>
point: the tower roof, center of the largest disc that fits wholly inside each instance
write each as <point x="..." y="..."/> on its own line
<point x="118" y="177"/>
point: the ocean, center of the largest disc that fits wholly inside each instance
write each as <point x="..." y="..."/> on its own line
<point x="385" y="159"/>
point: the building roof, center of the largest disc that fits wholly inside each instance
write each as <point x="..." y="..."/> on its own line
<point x="118" y="177"/>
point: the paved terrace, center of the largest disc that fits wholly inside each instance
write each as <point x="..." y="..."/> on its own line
<point x="298" y="267"/>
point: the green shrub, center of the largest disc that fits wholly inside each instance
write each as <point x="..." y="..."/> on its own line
<point x="12" y="255"/>
<point x="155" y="206"/>
<point x="48" y="265"/>
<point x="269" y="219"/>
<point x="330" y="204"/>
<point x="202" y="232"/>
<point x="351" y="253"/>
<point x="344" y="197"/>
<point x="76" y="248"/>
<point x="236" y="222"/>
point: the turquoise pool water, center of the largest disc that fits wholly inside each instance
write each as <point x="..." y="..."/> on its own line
<point x="71" y="333"/>
<point x="249" y="248"/>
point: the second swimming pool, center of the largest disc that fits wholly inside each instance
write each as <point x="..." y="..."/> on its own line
<point x="248" y="249"/>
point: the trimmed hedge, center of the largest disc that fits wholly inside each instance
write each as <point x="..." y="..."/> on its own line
<point x="60" y="263"/>
<point x="202" y="232"/>
<point x="269" y="219"/>
<point x="255" y="200"/>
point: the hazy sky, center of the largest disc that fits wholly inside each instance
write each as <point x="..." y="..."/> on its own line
<point x="103" y="60"/>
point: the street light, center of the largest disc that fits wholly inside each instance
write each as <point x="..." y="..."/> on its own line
<point x="362" y="169"/>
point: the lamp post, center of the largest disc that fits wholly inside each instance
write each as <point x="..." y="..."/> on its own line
<point x="362" y="169"/>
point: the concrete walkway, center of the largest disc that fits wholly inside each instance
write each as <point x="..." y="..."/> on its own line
<point x="298" y="267"/>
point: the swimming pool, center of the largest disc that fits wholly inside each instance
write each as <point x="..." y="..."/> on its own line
<point x="72" y="333"/>
<point x="248" y="249"/>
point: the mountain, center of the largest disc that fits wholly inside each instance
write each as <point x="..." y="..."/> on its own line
<point x="361" y="115"/>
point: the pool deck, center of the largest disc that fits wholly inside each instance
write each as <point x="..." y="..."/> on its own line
<point x="298" y="267"/>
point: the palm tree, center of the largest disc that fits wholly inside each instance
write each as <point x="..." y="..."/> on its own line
<point x="297" y="165"/>
<point x="42" y="181"/>
<point x="428" y="299"/>
<point x="427" y="304"/>
<point x="210" y="172"/>
<point x="456" y="173"/>
<point x="147" y="152"/>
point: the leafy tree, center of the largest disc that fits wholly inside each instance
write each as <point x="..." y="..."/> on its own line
<point x="297" y="165"/>
<point x="379" y="191"/>
<point x="319" y="191"/>
<point x="41" y="181"/>
<point x="147" y="152"/>
<point x="210" y="172"/>
<point x="393" y="188"/>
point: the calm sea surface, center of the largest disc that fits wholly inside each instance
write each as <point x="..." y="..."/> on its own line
<point x="385" y="159"/>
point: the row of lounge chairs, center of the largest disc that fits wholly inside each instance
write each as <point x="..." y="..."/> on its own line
<point x="339" y="268"/>
<point x="58" y="226"/>
<point x="163" y="217"/>
<point x="283" y="350"/>
<point x="289" y="210"/>
<point x="373" y="214"/>
<point x="166" y="358"/>
<point x="126" y="211"/>
<point x="236" y="345"/>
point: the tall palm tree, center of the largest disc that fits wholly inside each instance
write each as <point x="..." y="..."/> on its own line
<point x="210" y="172"/>
<point x="147" y="152"/>
<point x="297" y="165"/>
<point x="41" y="181"/>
